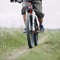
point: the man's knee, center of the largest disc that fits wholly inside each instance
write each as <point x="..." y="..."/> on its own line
<point x="23" y="11"/>
<point x="39" y="15"/>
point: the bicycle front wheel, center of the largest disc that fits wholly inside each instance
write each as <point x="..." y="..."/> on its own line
<point x="30" y="35"/>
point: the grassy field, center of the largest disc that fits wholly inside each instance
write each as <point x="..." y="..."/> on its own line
<point x="49" y="50"/>
<point x="11" y="39"/>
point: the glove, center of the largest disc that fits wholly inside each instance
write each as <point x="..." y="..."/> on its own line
<point x="11" y="0"/>
<point x="19" y="1"/>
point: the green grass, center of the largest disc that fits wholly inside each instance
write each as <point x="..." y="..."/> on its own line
<point x="11" y="39"/>
<point x="49" y="50"/>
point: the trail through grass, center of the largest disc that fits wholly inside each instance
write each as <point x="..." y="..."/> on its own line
<point x="13" y="44"/>
<point x="49" y="50"/>
<point x="10" y="40"/>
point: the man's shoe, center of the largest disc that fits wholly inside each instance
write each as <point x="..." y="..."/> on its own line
<point x="42" y="28"/>
<point x="24" y="31"/>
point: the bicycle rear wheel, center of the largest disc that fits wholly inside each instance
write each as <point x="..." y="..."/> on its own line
<point x="36" y="39"/>
<point x="36" y="33"/>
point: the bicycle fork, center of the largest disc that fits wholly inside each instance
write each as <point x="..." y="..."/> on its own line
<point x="31" y="17"/>
<point x="33" y="21"/>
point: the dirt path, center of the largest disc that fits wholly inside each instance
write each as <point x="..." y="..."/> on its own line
<point x="42" y="39"/>
<point x="14" y="54"/>
<point x="17" y="52"/>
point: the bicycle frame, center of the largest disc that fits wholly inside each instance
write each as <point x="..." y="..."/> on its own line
<point x="30" y="12"/>
<point x="32" y="35"/>
<point x="31" y="22"/>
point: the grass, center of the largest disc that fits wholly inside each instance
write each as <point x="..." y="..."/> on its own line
<point x="11" y="39"/>
<point x="49" y="50"/>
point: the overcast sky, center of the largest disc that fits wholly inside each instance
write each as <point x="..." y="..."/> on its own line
<point x="10" y="14"/>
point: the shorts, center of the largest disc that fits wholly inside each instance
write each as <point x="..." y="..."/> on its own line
<point x="37" y="6"/>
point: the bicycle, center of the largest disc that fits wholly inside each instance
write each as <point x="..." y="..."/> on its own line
<point x="31" y="26"/>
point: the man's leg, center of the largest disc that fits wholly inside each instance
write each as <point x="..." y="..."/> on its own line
<point x="40" y="21"/>
<point x="24" y="18"/>
<point x="38" y="10"/>
<point x="41" y="24"/>
<point x="24" y="13"/>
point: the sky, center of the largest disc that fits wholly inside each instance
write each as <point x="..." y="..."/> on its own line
<point x="10" y="14"/>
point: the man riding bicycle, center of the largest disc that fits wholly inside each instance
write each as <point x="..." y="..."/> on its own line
<point x="37" y="6"/>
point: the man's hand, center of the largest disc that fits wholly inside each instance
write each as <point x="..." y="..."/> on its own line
<point x="13" y="0"/>
<point x="19" y="1"/>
